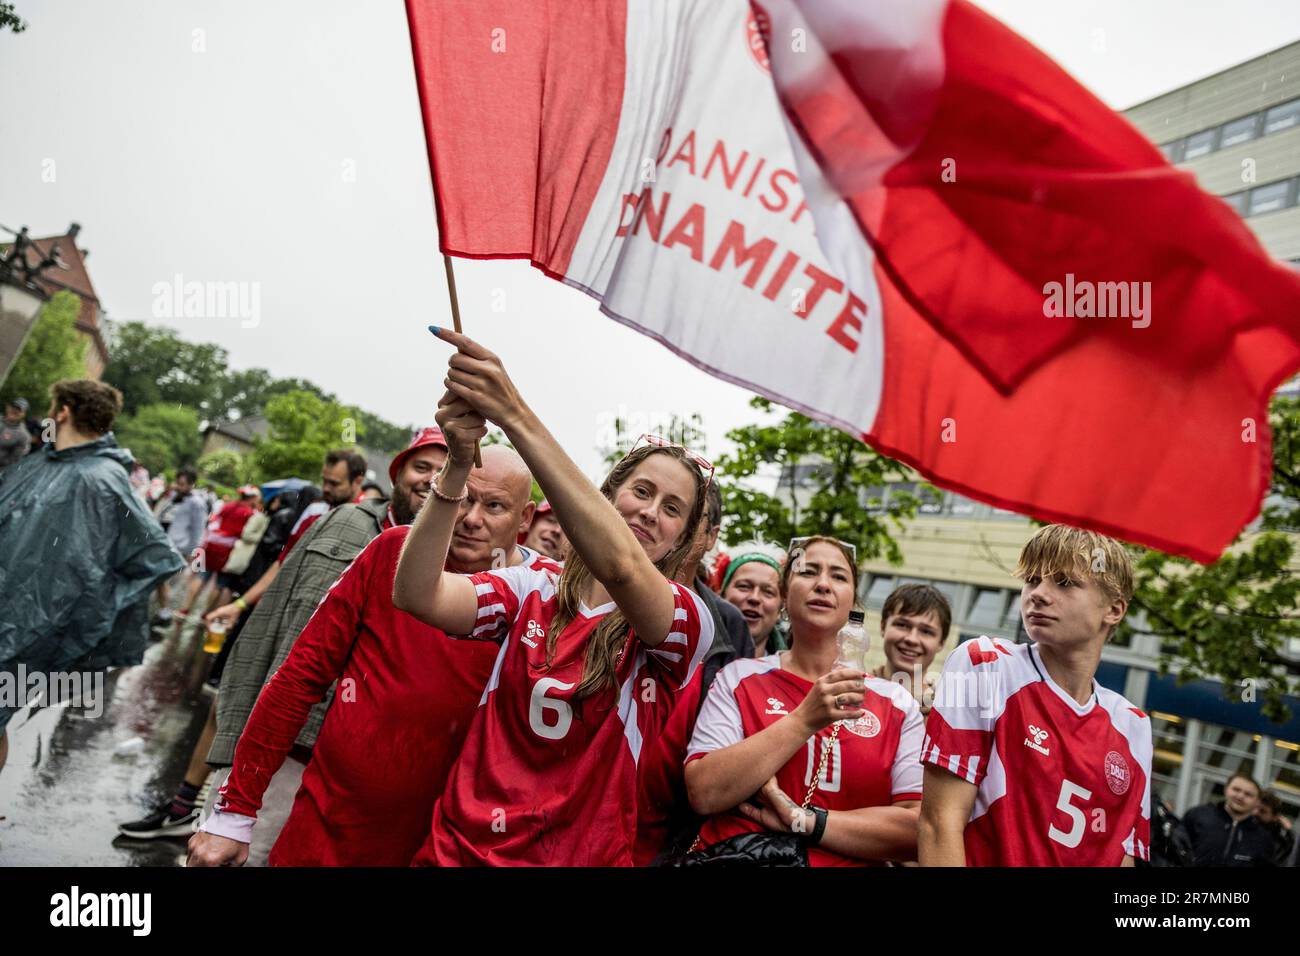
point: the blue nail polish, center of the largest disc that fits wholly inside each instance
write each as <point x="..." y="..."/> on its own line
<point x="434" y="329"/>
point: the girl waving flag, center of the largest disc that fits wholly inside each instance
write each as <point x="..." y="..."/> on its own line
<point x="591" y="658"/>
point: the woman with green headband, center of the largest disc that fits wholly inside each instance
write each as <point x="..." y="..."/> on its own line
<point x="752" y="582"/>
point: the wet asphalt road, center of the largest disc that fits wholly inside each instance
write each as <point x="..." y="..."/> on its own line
<point x="64" y="790"/>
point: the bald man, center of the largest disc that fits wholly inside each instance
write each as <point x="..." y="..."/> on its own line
<point x="404" y="699"/>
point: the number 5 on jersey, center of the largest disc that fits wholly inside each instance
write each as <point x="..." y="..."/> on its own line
<point x="1069" y="791"/>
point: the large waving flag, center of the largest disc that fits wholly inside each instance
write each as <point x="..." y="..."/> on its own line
<point x="896" y="217"/>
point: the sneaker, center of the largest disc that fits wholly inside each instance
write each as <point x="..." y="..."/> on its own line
<point x="201" y="800"/>
<point x="161" y="824"/>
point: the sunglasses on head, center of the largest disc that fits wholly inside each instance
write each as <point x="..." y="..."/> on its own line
<point x="798" y="544"/>
<point x="705" y="466"/>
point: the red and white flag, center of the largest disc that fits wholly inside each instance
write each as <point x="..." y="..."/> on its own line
<point x="896" y="217"/>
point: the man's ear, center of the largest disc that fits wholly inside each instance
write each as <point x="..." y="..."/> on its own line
<point x="712" y="539"/>
<point x="526" y="517"/>
<point x="1115" y="611"/>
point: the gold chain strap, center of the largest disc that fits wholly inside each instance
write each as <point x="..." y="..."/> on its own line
<point x="821" y="766"/>
<point x="816" y="780"/>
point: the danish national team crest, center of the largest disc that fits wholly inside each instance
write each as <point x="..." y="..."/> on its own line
<point x="868" y="725"/>
<point x="1118" y="775"/>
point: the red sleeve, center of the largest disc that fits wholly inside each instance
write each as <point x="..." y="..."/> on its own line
<point x="679" y="656"/>
<point x="959" y="731"/>
<point x="315" y="663"/>
<point x="499" y="593"/>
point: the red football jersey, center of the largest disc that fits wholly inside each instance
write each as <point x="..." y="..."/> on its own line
<point x="404" y="703"/>
<point x="1059" y="784"/>
<point x="873" y="762"/>
<point x="544" y="778"/>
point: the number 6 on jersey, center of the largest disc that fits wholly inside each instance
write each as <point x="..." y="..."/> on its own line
<point x="539" y="703"/>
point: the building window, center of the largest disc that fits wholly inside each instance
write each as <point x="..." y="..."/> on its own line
<point x="1239" y="202"/>
<point x="960" y="505"/>
<point x="880" y="588"/>
<point x="1223" y="752"/>
<point x="1269" y="198"/>
<point x="1285" y="765"/>
<point x="1239" y="131"/>
<point x="1282" y="117"/>
<point x="1199" y="144"/>
<point x="1011" y="620"/>
<point x="873" y="500"/>
<point x="986" y="609"/>
<point x="948" y="589"/>
<point x="1173" y="151"/>
<point x="931" y="500"/>
<point x="1168" y="737"/>
<point x="899" y="489"/>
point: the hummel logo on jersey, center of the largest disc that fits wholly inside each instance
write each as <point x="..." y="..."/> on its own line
<point x="777" y="707"/>
<point x="1037" y="743"/>
<point x="535" y="630"/>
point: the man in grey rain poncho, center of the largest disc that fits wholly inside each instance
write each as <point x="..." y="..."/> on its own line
<point x="79" y="552"/>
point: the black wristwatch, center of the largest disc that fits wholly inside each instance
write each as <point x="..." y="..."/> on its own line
<point x="819" y="826"/>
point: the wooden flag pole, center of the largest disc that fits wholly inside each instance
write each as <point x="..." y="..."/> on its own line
<point x="451" y="293"/>
<point x="455" y="324"/>
<point x="428" y="147"/>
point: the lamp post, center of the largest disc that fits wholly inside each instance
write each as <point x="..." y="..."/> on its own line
<point x="21" y="298"/>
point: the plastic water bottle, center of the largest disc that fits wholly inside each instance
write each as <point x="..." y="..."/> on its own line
<point x="851" y="643"/>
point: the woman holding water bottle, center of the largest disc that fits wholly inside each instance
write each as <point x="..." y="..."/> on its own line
<point x="804" y="742"/>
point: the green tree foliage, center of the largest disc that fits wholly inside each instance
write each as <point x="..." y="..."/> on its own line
<point x="384" y="436"/>
<point x="839" y="479"/>
<point x="226" y="467"/>
<point x="161" y="437"/>
<point x="303" y="427"/>
<point x="151" y="364"/>
<point x="1230" y="620"/>
<point x="9" y="18"/>
<point x="54" y="350"/>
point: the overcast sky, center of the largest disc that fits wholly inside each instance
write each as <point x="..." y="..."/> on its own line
<point x="288" y="153"/>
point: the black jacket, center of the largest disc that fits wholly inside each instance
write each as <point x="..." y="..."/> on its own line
<point x="731" y="639"/>
<point x="1219" y="841"/>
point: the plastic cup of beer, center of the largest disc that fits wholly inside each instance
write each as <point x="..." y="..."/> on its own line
<point x="216" y="636"/>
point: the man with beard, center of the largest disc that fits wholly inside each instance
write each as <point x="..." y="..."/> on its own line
<point x="404" y="697"/>
<point x="341" y="478"/>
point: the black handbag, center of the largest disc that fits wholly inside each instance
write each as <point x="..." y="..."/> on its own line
<point x="749" y="849"/>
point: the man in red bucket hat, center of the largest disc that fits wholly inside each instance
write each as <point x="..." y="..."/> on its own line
<point x="545" y="534"/>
